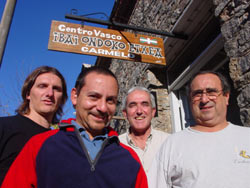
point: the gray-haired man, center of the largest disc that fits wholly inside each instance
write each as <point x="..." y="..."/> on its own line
<point x="139" y="109"/>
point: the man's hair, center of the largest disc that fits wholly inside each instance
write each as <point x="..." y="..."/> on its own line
<point x="152" y="98"/>
<point x="80" y="81"/>
<point x="224" y="82"/>
<point x="28" y="84"/>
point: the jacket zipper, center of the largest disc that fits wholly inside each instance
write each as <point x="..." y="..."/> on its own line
<point x="91" y="162"/>
<point x="99" y="154"/>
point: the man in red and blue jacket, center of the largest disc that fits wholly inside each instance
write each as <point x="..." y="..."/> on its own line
<point x="84" y="152"/>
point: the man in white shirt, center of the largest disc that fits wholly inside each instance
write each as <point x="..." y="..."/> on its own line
<point x="139" y="109"/>
<point x="213" y="153"/>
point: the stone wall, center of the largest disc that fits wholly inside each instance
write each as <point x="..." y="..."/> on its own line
<point x="235" y="28"/>
<point x="129" y="74"/>
<point x="154" y="14"/>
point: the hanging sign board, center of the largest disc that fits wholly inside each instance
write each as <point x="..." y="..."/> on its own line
<point x="77" y="38"/>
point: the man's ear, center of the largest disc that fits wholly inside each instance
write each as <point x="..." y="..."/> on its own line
<point x="153" y="112"/>
<point x="227" y="97"/>
<point x="124" y="112"/>
<point x="73" y="96"/>
<point x="28" y="96"/>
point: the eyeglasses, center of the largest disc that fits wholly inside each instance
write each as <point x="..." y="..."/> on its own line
<point x="211" y="93"/>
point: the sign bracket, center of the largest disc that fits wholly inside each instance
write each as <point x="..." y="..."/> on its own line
<point x="124" y="26"/>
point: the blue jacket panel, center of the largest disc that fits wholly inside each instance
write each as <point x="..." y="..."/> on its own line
<point x="63" y="162"/>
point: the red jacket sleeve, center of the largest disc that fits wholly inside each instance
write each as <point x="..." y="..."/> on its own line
<point x="22" y="173"/>
<point x="141" y="180"/>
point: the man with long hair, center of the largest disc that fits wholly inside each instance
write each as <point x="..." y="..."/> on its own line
<point x="44" y="93"/>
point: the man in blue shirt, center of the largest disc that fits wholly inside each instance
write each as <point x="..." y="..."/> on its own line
<point x="85" y="152"/>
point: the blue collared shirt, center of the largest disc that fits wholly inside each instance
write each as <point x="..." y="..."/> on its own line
<point x="93" y="146"/>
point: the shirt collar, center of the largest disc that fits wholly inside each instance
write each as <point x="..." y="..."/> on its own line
<point x="84" y="134"/>
<point x="130" y="141"/>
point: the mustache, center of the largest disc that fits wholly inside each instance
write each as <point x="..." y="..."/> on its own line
<point x="208" y="104"/>
<point x="100" y="114"/>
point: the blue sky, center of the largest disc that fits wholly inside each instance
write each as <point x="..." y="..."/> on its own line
<point x="27" y="46"/>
